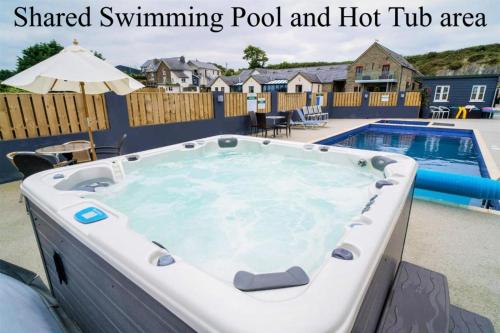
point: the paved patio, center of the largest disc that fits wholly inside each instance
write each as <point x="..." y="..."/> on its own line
<point x="461" y="243"/>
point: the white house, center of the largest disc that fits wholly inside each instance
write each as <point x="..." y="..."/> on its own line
<point x="204" y="72"/>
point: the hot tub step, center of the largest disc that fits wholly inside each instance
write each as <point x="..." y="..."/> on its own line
<point x="463" y="321"/>
<point x="418" y="302"/>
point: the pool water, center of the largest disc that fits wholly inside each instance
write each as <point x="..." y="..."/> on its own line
<point x="225" y="211"/>
<point x="452" y="151"/>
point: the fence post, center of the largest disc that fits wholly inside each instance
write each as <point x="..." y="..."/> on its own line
<point x="218" y="96"/>
<point x="118" y="121"/>
<point x="401" y="99"/>
<point x="329" y="103"/>
<point x="274" y="102"/>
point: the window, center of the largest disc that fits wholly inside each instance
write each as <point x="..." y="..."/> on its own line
<point x="222" y="89"/>
<point x="385" y="69"/>
<point x="216" y="88"/>
<point x="359" y="70"/>
<point x="251" y="89"/>
<point x="441" y="94"/>
<point x="183" y="80"/>
<point x="298" y="88"/>
<point x="357" y="88"/>
<point x="477" y="94"/>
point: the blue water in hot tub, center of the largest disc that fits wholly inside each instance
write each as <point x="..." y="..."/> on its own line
<point x="452" y="151"/>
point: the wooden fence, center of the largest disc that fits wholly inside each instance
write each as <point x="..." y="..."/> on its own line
<point x="383" y="99"/>
<point x="325" y="98"/>
<point x="28" y="115"/>
<point x="235" y="104"/>
<point x="152" y="108"/>
<point x="347" y="99"/>
<point x="413" y="98"/>
<point x="291" y="101"/>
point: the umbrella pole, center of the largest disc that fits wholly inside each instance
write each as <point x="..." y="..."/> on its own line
<point x="89" y="127"/>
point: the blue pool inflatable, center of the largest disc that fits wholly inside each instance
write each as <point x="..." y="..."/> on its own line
<point x="468" y="186"/>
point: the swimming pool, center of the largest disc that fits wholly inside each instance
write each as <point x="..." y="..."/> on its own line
<point x="447" y="150"/>
<point x="225" y="234"/>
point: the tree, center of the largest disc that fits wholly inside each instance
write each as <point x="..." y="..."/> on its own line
<point x="38" y="52"/>
<point x="34" y="54"/>
<point x="255" y="56"/>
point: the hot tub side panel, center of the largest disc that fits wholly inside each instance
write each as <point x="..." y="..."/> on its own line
<point x="91" y="291"/>
<point x="380" y="285"/>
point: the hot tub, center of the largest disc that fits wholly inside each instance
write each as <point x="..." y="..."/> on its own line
<point x="226" y="234"/>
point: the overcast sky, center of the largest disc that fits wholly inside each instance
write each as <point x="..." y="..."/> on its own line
<point x="132" y="46"/>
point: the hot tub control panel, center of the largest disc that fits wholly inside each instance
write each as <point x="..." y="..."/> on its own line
<point x="90" y="215"/>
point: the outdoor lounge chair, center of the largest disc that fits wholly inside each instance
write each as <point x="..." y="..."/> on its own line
<point x="304" y="123"/>
<point x="111" y="151"/>
<point x="322" y="115"/>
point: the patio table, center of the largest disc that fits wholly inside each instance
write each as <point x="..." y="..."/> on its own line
<point x="274" y="118"/>
<point x="67" y="148"/>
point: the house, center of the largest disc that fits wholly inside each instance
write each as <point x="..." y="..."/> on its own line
<point x="171" y="74"/>
<point x="376" y="69"/>
<point x="203" y="72"/>
<point x="381" y="69"/>
<point x="232" y="83"/>
<point x="305" y="79"/>
<point x="461" y="90"/>
<point x="319" y="79"/>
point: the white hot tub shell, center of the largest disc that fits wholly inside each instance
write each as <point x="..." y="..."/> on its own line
<point x="106" y="276"/>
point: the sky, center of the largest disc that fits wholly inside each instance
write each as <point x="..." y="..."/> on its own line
<point x="133" y="45"/>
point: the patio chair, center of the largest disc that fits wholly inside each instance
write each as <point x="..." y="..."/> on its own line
<point x="110" y="151"/>
<point x="78" y="157"/>
<point x="435" y="112"/>
<point x="264" y="125"/>
<point x="287" y="124"/>
<point x="254" y="126"/>
<point x="29" y="163"/>
<point x="444" y="111"/>
<point x="304" y="123"/>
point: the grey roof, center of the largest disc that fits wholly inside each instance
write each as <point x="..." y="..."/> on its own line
<point x="398" y="57"/>
<point x="317" y="74"/>
<point x="175" y="64"/>
<point x="204" y="65"/>
<point x="180" y="74"/>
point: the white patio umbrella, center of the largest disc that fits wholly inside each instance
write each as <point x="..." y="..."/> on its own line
<point x="75" y="69"/>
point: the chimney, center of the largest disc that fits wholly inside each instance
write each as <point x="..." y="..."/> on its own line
<point x="156" y="61"/>
<point x="183" y="60"/>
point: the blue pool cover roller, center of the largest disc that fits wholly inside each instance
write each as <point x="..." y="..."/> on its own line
<point x="468" y="186"/>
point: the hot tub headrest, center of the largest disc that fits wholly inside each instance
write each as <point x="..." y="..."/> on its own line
<point x="228" y="142"/>
<point x="380" y="162"/>
<point x="293" y="277"/>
